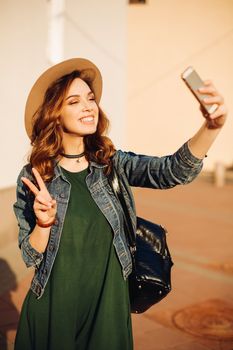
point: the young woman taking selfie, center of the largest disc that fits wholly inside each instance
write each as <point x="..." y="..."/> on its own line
<point x="71" y="228"/>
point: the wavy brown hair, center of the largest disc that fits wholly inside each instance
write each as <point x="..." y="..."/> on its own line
<point x="46" y="139"/>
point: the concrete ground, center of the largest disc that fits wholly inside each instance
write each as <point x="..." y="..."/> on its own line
<point x="198" y="313"/>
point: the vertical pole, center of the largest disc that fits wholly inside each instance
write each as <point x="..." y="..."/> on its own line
<point x="55" y="45"/>
<point x="219" y="174"/>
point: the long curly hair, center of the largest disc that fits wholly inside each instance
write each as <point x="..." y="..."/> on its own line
<point x="46" y="139"/>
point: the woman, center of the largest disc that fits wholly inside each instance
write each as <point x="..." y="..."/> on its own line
<point x="71" y="226"/>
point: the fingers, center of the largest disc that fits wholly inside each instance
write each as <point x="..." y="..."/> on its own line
<point x="209" y="89"/>
<point x="46" y="206"/>
<point x="38" y="206"/>
<point x="42" y="187"/>
<point x="215" y="99"/>
<point x="30" y="185"/>
<point x="42" y="200"/>
<point x="39" y="179"/>
<point x="43" y="213"/>
<point x="220" y="111"/>
<point x="208" y="82"/>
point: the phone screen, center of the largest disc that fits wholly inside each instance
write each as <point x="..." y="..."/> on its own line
<point x="194" y="82"/>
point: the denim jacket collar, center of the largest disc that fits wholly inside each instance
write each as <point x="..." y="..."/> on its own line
<point x="58" y="171"/>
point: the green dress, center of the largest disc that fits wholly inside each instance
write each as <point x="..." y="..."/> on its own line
<point x="85" y="305"/>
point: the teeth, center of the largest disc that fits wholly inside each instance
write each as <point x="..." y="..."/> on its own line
<point x="87" y="119"/>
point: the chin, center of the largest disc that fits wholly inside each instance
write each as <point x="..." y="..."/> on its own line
<point x="88" y="131"/>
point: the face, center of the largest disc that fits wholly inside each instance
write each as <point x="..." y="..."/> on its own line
<point x="80" y="113"/>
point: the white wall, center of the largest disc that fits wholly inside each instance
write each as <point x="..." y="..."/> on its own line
<point x="23" y="34"/>
<point x="164" y="37"/>
<point x="97" y="30"/>
<point x="92" y="29"/>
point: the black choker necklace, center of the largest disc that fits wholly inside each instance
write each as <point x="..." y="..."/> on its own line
<point x="72" y="156"/>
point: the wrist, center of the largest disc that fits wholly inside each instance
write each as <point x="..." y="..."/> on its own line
<point x="211" y="124"/>
<point x="47" y="224"/>
<point x="216" y="123"/>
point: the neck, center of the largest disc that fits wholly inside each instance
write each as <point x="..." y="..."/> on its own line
<point x="72" y="144"/>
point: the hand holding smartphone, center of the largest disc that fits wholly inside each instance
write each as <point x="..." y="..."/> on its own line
<point x="194" y="82"/>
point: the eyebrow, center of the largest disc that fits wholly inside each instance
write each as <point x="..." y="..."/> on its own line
<point x="89" y="93"/>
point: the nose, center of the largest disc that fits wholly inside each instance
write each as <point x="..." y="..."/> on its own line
<point x="86" y="105"/>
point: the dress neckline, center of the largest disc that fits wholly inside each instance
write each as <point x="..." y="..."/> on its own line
<point x="74" y="172"/>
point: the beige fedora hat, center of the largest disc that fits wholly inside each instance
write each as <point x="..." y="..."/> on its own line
<point x="36" y="95"/>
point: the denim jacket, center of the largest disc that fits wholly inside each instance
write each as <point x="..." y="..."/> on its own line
<point x="133" y="169"/>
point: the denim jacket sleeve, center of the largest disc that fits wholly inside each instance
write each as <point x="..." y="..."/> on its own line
<point x="23" y="208"/>
<point x="159" y="172"/>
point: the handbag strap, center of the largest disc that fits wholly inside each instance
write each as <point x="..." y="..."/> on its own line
<point x="115" y="185"/>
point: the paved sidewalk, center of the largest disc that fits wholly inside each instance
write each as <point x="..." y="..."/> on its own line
<point x="198" y="313"/>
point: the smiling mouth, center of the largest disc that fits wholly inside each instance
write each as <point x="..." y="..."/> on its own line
<point x="88" y="119"/>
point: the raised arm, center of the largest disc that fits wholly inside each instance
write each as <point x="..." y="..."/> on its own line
<point x="158" y="172"/>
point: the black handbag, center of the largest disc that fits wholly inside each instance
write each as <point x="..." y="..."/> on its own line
<point x="150" y="280"/>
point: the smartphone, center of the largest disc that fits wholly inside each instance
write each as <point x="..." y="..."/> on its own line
<point x="194" y="82"/>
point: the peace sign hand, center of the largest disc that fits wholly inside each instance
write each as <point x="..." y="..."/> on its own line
<point x="44" y="206"/>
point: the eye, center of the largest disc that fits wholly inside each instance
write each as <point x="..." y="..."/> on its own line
<point x="73" y="102"/>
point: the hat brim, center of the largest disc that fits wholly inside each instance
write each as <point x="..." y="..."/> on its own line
<point x="36" y="95"/>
